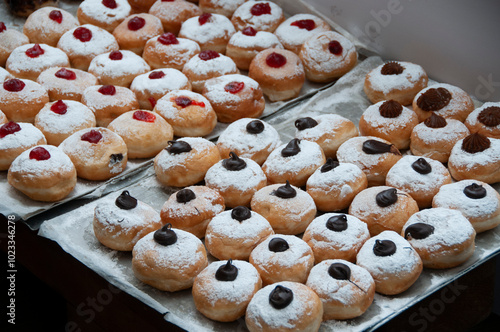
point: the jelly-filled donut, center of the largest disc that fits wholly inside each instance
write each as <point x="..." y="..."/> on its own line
<point x="260" y="15"/>
<point x="168" y="51"/>
<point x="22" y="99"/>
<point x="66" y="83"/>
<point x="10" y="39"/>
<point x="134" y="32"/>
<point x="15" y="138"/>
<point x="106" y="14"/>
<point x="47" y="24"/>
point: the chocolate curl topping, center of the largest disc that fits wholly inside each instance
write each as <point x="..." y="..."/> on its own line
<point x="305" y="123"/>
<point x="392" y="68"/>
<point x="278" y="245"/>
<point x="177" y="147"/>
<point x="241" y="213"/>
<point x="434" y="99"/>
<point x="280" y="297"/>
<point x="475" y="143"/>
<point x="391" y="109"/>
<point x="387" y="197"/>
<point x="292" y="148"/>
<point x="255" y="127"/>
<point x="337" y="223"/>
<point x="227" y="272"/>
<point x="329" y="165"/>
<point x="165" y="235"/>
<point x="125" y="201"/>
<point x="421" y="166"/>
<point x="475" y="191"/>
<point x="185" y="195"/>
<point x="339" y="271"/>
<point x="286" y="191"/>
<point x="490" y="116"/>
<point x="234" y="163"/>
<point x="373" y="146"/>
<point x="435" y="121"/>
<point x="384" y="248"/>
<point x="418" y="231"/>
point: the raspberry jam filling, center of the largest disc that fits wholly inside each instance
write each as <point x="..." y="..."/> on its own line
<point x="66" y="74"/>
<point x="108" y="90"/>
<point x="168" y="39"/>
<point x="184" y="101"/>
<point x="9" y="128"/>
<point x="116" y="55"/>
<point x="136" y="23"/>
<point x="92" y="136"/>
<point x="335" y="48"/>
<point x="14" y="85"/>
<point x="144" y="116"/>
<point x="156" y="75"/>
<point x="204" y="18"/>
<point x="2" y="27"/>
<point x="208" y="55"/>
<point x="304" y="24"/>
<point x="59" y="107"/>
<point x="82" y="34"/>
<point x="249" y="31"/>
<point x="110" y="4"/>
<point x="35" y="51"/>
<point x="39" y="153"/>
<point x="275" y="60"/>
<point x="234" y="87"/>
<point x="56" y="16"/>
<point x="260" y="9"/>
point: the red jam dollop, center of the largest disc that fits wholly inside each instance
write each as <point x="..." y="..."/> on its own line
<point x="184" y="101"/>
<point x="2" y="27"/>
<point x="275" y="60"/>
<point x="14" y="85"/>
<point x="39" y="153"/>
<point x="66" y="74"/>
<point x="156" y="75"/>
<point x="108" y="90"/>
<point x="9" y="128"/>
<point x="260" y="9"/>
<point x="208" y="55"/>
<point x="92" y="136"/>
<point x="35" y="51"/>
<point x="116" y="55"/>
<point x="305" y="24"/>
<point x="59" y="107"/>
<point x="203" y="18"/>
<point x="110" y="4"/>
<point x="82" y="34"/>
<point x="234" y="87"/>
<point x="144" y="116"/>
<point x="168" y="39"/>
<point x="136" y="23"/>
<point x="249" y="31"/>
<point x="56" y="16"/>
<point x="335" y="48"/>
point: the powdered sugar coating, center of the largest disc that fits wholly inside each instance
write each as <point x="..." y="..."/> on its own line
<point x="99" y="12"/>
<point x="402" y="261"/>
<point x="214" y="88"/>
<point x="310" y="155"/>
<point x="29" y="135"/>
<point x="221" y="65"/>
<point x="199" y="145"/>
<point x="407" y="79"/>
<point x="472" y="118"/>
<point x="19" y="61"/>
<point x="365" y="203"/>
<point x="246" y="179"/>
<point x="75" y="88"/>
<point x="223" y="225"/>
<point x="181" y="52"/>
<point x="453" y="131"/>
<point x="327" y="124"/>
<point x="291" y="35"/>
<point x="461" y="158"/>
<point x="351" y="152"/>
<point x="205" y="200"/>
<point x="58" y="162"/>
<point x="131" y="64"/>
<point x="226" y="5"/>
<point x="459" y="98"/>
<point x="385" y="125"/>
<point x="168" y="109"/>
<point x="237" y="291"/>
<point x="262" y="40"/>
<point x="32" y="90"/>
<point x="4" y="74"/>
<point x="173" y="80"/>
<point x="475" y="125"/>
<point x="47" y="30"/>
<point x="218" y="26"/>
<point x="101" y="42"/>
<point x="339" y="176"/>
<point x="96" y="100"/>
<point x="76" y="115"/>
<point x="298" y="253"/>
<point x="243" y="17"/>
<point x="320" y="58"/>
<point x="452" y="196"/>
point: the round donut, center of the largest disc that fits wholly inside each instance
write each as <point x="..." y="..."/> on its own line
<point x="10" y="39"/>
<point x="133" y="33"/>
<point x="15" y="138"/>
<point x="106" y="14"/>
<point x="260" y="15"/>
<point x="22" y="99"/>
<point x="485" y="120"/>
<point x="66" y="83"/>
<point x="47" y="24"/>
<point x="224" y="7"/>
<point x="168" y="51"/>
<point x="173" y="13"/>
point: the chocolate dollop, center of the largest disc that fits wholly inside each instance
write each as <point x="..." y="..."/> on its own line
<point x="337" y="223"/>
<point x="434" y="99"/>
<point x="241" y="213"/>
<point x="115" y="158"/>
<point x="292" y="148"/>
<point x="165" y="235"/>
<point x="372" y="146"/>
<point x="384" y="248"/>
<point x="185" y="195"/>
<point x="418" y="231"/>
<point x="280" y="297"/>
<point x="255" y="127"/>
<point x="125" y="201"/>
<point x="329" y="165"/>
<point x="177" y="147"/>
<point x="435" y="121"/>
<point x="490" y="116"/>
<point x="391" y="109"/>
<point x="421" y="166"/>
<point x="392" y="68"/>
<point x="305" y="123"/>
<point x="475" y="191"/>
<point x="278" y="245"/>
<point x="286" y="191"/>
<point x="227" y="272"/>
<point x="387" y="197"/>
<point x="339" y="271"/>
<point x="234" y="163"/>
<point x="475" y="143"/>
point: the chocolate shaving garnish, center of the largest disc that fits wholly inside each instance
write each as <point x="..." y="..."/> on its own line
<point x="490" y="116"/>
<point x="305" y="123"/>
<point x="241" y="213"/>
<point x="418" y="231"/>
<point x="475" y="143"/>
<point x="421" y="166"/>
<point x="185" y="195"/>
<point x="372" y="146"/>
<point x="234" y="163"/>
<point x="165" y="235"/>
<point x="434" y="99"/>
<point x="286" y="191"/>
<point x="337" y="223"/>
<point x="435" y="121"/>
<point x="177" y="147"/>
<point x="329" y="165"/>
<point x="386" y="197"/>
<point x="475" y="191"/>
<point x="292" y="148"/>
<point x="280" y="297"/>
<point x="115" y="158"/>
<point x="125" y="201"/>
<point x="278" y="245"/>
<point x="384" y="248"/>
<point x="255" y="127"/>
<point x="227" y="272"/>
<point x="392" y="68"/>
<point x="391" y="109"/>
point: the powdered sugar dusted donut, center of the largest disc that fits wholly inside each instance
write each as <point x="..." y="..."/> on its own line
<point x="106" y="14"/>
<point x="118" y="67"/>
<point x="485" y="120"/>
<point x="109" y="102"/>
<point x="22" y="99"/>
<point x="172" y="13"/>
<point x="260" y="15"/>
<point x="249" y="138"/>
<point x="336" y="236"/>
<point x="189" y="113"/>
<point x="151" y="86"/>
<point x="60" y="119"/>
<point x="288" y="209"/>
<point x="10" y="39"/>
<point x="234" y="234"/>
<point x="477" y="201"/>
<point x="47" y="24"/>
<point x="66" y="83"/>
<point x="84" y="43"/>
<point x="223" y="7"/>
<point x="234" y="97"/>
<point x="119" y="222"/>
<point x="168" y="51"/>
<point x="334" y="185"/>
<point x="399" y="81"/>
<point x="15" y="138"/>
<point x="392" y="262"/>
<point x="28" y="61"/>
<point x="236" y="179"/>
<point x="43" y="173"/>
<point x="133" y="33"/>
<point x="192" y="208"/>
